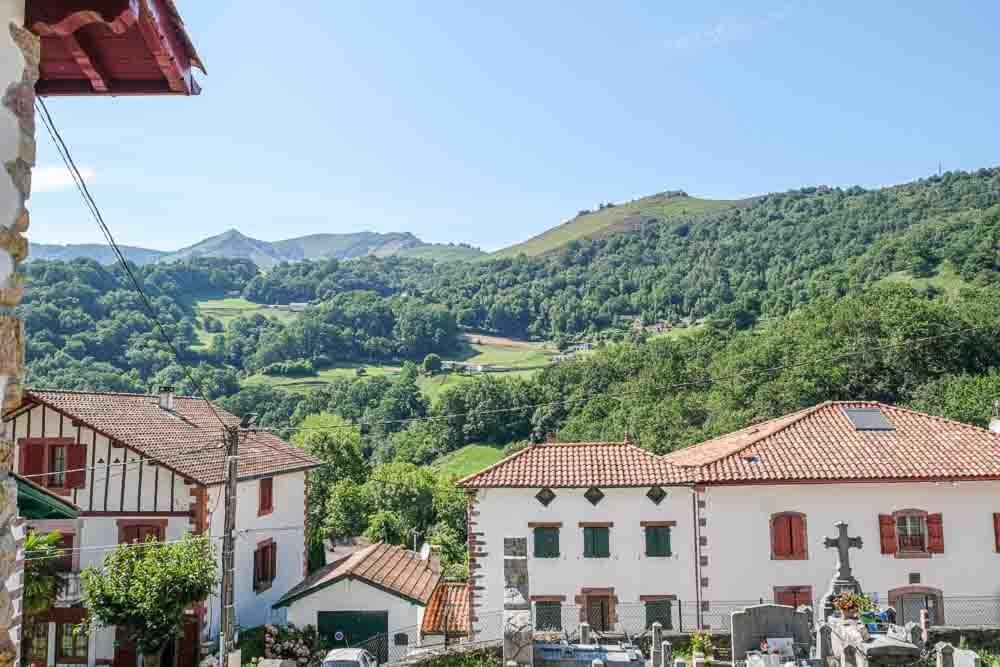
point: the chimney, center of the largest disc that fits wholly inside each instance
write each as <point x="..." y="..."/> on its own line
<point x="167" y="397"/>
<point x="995" y="420"/>
<point x="432" y="554"/>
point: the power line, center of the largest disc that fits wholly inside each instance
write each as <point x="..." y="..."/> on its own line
<point x="706" y="381"/>
<point x="81" y="186"/>
<point x="111" y="547"/>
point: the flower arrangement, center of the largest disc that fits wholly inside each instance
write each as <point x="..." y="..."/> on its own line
<point x="852" y="604"/>
<point x="303" y="645"/>
<point x="701" y="642"/>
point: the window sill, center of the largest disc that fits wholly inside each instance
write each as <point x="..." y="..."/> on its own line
<point x="913" y="554"/>
<point x="795" y="557"/>
<point x="265" y="512"/>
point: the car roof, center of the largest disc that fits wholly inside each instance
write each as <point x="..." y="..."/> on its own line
<point x="345" y="654"/>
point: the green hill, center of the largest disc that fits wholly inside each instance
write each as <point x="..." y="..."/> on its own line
<point x="617" y="218"/>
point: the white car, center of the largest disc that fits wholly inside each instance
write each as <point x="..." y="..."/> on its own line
<point x="349" y="657"/>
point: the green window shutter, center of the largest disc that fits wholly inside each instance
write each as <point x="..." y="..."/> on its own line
<point x="596" y="542"/>
<point x="548" y="616"/>
<point x="657" y="541"/>
<point x="547" y="542"/>
<point x="659" y="612"/>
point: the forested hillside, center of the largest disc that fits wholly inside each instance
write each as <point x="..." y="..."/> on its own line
<point x="768" y="258"/>
<point x="826" y="267"/>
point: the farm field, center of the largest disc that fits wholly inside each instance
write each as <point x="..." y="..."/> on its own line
<point x="469" y="459"/>
<point x="228" y="309"/>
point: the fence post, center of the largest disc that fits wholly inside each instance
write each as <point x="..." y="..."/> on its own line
<point x="680" y="616"/>
<point x="655" y="648"/>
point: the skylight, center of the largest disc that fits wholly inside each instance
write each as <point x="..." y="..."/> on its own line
<point x="868" y="419"/>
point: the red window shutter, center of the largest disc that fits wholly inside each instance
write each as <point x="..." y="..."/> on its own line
<point x="798" y="531"/>
<point x="785" y="597"/>
<point x="33" y="461"/>
<point x="887" y="533"/>
<point x="935" y="534"/>
<point x="65" y="560"/>
<point x="76" y="461"/>
<point x="266" y="495"/>
<point x="256" y="569"/>
<point x="781" y="536"/>
<point x="273" y="565"/>
<point x="996" y="530"/>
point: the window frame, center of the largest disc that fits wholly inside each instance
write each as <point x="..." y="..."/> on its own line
<point x="58" y="482"/>
<point x="908" y="517"/>
<point x="71" y="658"/>
<point x="56" y="476"/>
<point x="262" y="507"/>
<point x="550" y="605"/>
<point x="794" y="554"/>
<point x="38" y="630"/>
<point x="651" y="530"/>
<point x="265" y="569"/>
<point x="591" y="547"/>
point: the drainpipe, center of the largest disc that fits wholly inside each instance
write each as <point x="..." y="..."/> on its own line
<point x="696" y="530"/>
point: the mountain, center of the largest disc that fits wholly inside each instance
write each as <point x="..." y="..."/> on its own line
<point x="232" y="244"/>
<point x="611" y="218"/>
<point x="101" y="253"/>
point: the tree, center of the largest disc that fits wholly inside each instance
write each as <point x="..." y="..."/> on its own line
<point x="42" y="578"/>
<point x="432" y="364"/>
<point x="145" y="590"/>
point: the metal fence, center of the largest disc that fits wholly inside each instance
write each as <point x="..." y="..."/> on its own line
<point x="676" y="616"/>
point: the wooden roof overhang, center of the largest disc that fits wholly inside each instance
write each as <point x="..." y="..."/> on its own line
<point x="112" y="47"/>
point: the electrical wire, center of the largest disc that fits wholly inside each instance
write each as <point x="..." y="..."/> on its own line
<point x="95" y="212"/>
<point x="111" y="547"/>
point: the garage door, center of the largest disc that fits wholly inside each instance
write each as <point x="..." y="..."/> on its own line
<point x="350" y="628"/>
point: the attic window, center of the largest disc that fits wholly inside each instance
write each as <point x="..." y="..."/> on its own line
<point x="594" y="495"/>
<point x="545" y="496"/>
<point x="868" y="419"/>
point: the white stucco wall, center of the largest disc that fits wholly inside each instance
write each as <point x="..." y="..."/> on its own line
<point x="507" y="513"/>
<point x="739" y="543"/>
<point x="354" y="595"/>
<point x="284" y="525"/>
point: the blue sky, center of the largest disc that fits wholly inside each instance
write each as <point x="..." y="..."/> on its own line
<point x="490" y="124"/>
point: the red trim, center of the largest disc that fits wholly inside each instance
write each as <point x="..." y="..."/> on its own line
<point x="43" y="18"/>
<point x="597" y="524"/>
<point x="159" y="524"/>
<point x="81" y="54"/>
<point x="996" y="531"/>
<point x="265" y="496"/>
<point x="657" y="524"/>
<point x="133" y="514"/>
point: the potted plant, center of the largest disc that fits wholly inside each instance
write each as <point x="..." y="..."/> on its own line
<point x="701" y="646"/>
<point x="852" y="604"/>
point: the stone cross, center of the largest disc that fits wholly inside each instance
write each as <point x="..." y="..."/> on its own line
<point x="842" y="543"/>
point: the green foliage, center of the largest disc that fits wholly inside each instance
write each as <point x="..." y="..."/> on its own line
<point x="701" y="642"/>
<point x="146" y="589"/>
<point x="965" y="397"/>
<point x="42" y="579"/>
<point x="432" y="364"/>
<point x="293" y="368"/>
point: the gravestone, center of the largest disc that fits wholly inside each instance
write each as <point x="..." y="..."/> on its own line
<point x="755" y="624"/>
<point x="843" y="580"/>
<point x="518" y="635"/>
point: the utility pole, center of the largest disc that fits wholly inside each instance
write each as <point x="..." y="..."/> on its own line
<point x="232" y="443"/>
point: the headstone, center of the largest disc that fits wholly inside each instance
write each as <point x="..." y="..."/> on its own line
<point x="656" y="645"/>
<point x="945" y="655"/>
<point x="843" y="580"/>
<point x="757" y="623"/>
<point x="518" y="635"/>
<point x="667" y="651"/>
<point x="585" y="633"/>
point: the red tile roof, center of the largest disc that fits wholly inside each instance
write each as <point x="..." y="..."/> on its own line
<point x="188" y="439"/>
<point x="393" y="569"/>
<point x="577" y="465"/>
<point x="448" y="610"/>
<point x="819" y="443"/>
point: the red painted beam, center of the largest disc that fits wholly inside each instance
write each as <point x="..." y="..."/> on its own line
<point x="99" y="80"/>
<point x="161" y="38"/>
<point x="64" y="17"/>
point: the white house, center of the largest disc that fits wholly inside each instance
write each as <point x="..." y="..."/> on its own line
<point x="140" y="466"/>
<point x="745" y="517"/>
<point x="371" y="592"/>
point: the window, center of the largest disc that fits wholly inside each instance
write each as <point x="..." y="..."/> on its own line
<point x="53" y="462"/>
<point x="401" y="639"/>
<point x="129" y="532"/>
<point x="793" y="596"/>
<point x="71" y="647"/>
<point x="658" y="611"/>
<point x="265" y="565"/>
<point x="911" y="532"/>
<point x="788" y="536"/>
<point x="657" y="541"/>
<point x="546" y="542"/>
<point x="266" y="496"/>
<point x="57" y="466"/>
<point x="548" y="616"/>
<point x="65" y="559"/>
<point x="868" y="419"/>
<point x="596" y="542"/>
<point x="36" y="643"/>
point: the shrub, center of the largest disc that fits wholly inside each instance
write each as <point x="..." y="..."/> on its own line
<point x="296" y="368"/>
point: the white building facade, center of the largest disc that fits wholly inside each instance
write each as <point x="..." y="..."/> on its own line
<point x="149" y="467"/>
<point x="747" y="515"/>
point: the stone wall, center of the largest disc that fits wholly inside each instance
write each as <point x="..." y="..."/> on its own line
<point x="20" y="52"/>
